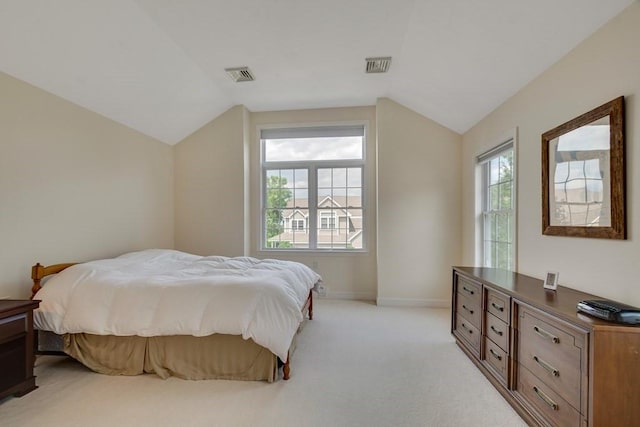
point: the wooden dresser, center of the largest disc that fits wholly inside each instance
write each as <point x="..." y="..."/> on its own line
<point x="16" y="347"/>
<point x="555" y="366"/>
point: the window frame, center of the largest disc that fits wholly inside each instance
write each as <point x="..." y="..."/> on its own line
<point x="312" y="167"/>
<point x="483" y="194"/>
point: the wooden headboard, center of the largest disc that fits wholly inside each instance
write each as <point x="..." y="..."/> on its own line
<point x="38" y="272"/>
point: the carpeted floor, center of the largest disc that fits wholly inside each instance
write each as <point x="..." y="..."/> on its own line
<point x="356" y="365"/>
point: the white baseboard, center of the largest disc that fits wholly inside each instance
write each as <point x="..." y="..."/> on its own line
<point x="357" y="296"/>
<point x="387" y="302"/>
<point x="413" y="302"/>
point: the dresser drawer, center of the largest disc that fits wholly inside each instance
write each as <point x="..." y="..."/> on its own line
<point x="470" y="289"/>
<point x="546" y="401"/>
<point x="13" y="326"/>
<point x="555" y="353"/>
<point x="469" y="333"/>
<point x="497" y="359"/>
<point x="469" y="309"/>
<point x="497" y="331"/>
<point x="498" y="304"/>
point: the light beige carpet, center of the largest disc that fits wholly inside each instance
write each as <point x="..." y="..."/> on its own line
<point x="356" y="365"/>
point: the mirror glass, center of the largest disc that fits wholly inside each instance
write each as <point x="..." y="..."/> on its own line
<point x="579" y="176"/>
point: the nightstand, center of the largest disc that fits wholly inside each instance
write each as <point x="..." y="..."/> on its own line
<point x="16" y="347"/>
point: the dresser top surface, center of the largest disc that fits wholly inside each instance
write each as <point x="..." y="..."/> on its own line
<point x="561" y="302"/>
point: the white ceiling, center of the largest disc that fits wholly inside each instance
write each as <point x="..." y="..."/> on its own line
<point x="158" y="65"/>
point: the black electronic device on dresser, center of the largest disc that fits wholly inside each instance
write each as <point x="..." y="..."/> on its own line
<point x="611" y="311"/>
<point x="16" y="347"/>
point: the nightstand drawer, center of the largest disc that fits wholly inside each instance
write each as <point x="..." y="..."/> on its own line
<point x="469" y="309"/>
<point x="545" y="401"/>
<point x="16" y="347"/>
<point x="497" y="331"/>
<point x="469" y="333"/>
<point x="498" y="304"/>
<point x="11" y="327"/>
<point x="12" y="363"/>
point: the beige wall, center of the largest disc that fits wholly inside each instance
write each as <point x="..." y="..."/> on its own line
<point x="419" y="204"/>
<point x="210" y="187"/>
<point x="345" y="275"/>
<point x="602" y="68"/>
<point x="74" y="186"/>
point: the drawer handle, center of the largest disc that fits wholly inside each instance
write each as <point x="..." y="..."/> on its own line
<point x="496" y="331"/>
<point x="497" y="307"/>
<point x="553" y="405"/>
<point x="553" y="371"/>
<point x="467" y="308"/>
<point x="545" y="334"/>
<point x="468" y="290"/>
<point x="466" y="328"/>
<point x="496" y="355"/>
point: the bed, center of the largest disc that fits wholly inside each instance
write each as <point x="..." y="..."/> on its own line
<point x="175" y="314"/>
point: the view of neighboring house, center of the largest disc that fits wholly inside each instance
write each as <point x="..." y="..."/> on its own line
<point x="339" y="224"/>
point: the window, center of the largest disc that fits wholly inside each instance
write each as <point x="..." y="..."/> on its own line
<point x="312" y="188"/>
<point x="327" y="221"/>
<point x="498" y="207"/>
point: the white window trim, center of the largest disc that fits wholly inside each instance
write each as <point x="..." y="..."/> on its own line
<point x="479" y="191"/>
<point x="312" y="219"/>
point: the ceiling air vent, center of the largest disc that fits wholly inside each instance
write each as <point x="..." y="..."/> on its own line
<point x="240" y="74"/>
<point x="378" y="65"/>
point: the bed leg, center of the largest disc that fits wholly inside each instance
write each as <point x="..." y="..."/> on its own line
<point x="286" y="369"/>
<point x="310" y="305"/>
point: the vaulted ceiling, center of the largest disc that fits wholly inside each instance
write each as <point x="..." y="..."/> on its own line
<point x="157" y="66"/>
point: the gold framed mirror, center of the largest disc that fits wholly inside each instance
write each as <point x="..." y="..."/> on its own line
<point x="583" y="175"/>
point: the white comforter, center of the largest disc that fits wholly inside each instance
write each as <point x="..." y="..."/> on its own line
<point x="164" y="292"/>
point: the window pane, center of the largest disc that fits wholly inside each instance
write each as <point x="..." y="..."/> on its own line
<point x="324" y="178"/>
<point x="286" y="213"/>
<point x="354" y="177"/>
<point x="340" y="227"/>
<point x="502" y="228"/>
<point x="339" y="177"/>
<point x="506" y="162"/>
<point x="274" y="219"/>
<point x="272" y="198"/>
<point x="502" y="255"/>
<point x="304" y="149"/>
<point x="494" y="171"/>
<point x="334" y="188"/>
<point x="354" y="197"/>
<point x="301" y="178"/>
<point x="298" y="237"/>
<point x="505" y="195"/>
<point x="494" y="197"/>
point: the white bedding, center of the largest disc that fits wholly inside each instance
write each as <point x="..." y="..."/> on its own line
<point x="165" y="292"/>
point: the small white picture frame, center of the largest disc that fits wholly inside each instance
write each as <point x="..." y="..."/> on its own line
<point x="551" y="280"/>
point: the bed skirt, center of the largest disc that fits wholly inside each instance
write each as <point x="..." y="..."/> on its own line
<point x="194" y="358"/>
